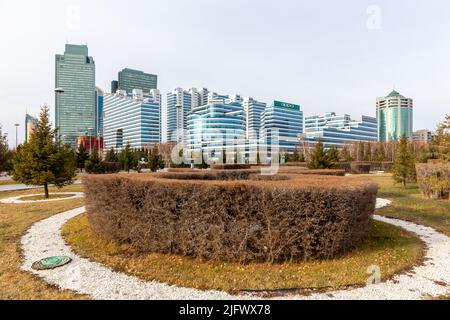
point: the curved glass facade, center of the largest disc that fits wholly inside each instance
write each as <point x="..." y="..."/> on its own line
<point x="395" y="117"/>
<point x="216" y="126"/>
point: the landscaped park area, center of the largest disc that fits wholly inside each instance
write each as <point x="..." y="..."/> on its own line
<point x="214" y="234"/>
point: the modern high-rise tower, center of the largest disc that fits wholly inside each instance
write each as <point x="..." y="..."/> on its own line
<point x="133" y="118"/>
<point x="130" y="80"/>
<point x="395" y="117"/>
<point x="75" y="97"/>
<point x="283" y="122"/>
<point x="253" y="110"/>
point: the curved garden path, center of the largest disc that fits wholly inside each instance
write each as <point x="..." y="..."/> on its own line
<point x="99" y="282"/>
<point x="16" y="200"/>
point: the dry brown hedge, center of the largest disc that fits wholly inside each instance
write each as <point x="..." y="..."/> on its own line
<point x="230" y="166"/>
<point x="305" y="171"/>
<point x="273" y="220"/>
<point x="374" y="166"/>
<point x="289" y="170"/>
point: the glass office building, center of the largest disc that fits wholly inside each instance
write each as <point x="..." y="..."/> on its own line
<point x="253" y="110"/>
<point x="75" y="102"/>
<point x="215" y="127"/>
<point x="179" y="105"/>
<point x="130" y="79"/>
<point x="132" y="118"/>
<point x="285" y="119"/>
<point x="340" y="130"/>
<point x="395" y="117"/>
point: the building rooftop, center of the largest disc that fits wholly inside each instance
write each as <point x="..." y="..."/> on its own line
<point x="395" y="94"/>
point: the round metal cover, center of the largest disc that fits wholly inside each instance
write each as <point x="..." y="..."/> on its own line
<point x="51" y="263"/>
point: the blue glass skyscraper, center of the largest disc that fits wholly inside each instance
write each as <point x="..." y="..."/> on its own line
<point x="284" y="120"/>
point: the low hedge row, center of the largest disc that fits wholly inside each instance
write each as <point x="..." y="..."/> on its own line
<point x="357" y="167"/>
<point x="288" y="170"/>
<point x="306" y="171"/>
<point x="225" y="175"/>
<point x="230" y="166"/>
<point x="297" y="164"/>
<point x="276" y="219"/>
<point x="360" y="168"/>
<point x="434" y="179"/>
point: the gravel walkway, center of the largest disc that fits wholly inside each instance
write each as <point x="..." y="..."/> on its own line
<point x="19" y="187"/>
<point x="99" y="282"/>
<point x="16" y="200"/>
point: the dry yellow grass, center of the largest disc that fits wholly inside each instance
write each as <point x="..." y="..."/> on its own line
<point x="392" y="249"/>
<point x="15" y="219"/>
<point x="42" y="197"/>
<point x="7" y="182"/>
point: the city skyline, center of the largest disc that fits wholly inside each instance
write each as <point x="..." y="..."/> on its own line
<point x="346" y="80"/>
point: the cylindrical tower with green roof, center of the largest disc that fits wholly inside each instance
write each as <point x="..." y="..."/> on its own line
<point x="395" y="117"/>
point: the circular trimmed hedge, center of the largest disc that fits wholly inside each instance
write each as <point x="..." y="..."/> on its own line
<point x="232" y="216"/>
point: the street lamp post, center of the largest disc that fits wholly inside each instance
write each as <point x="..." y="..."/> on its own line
<point x="17" y="127"/>
<point x="58" y="92"/>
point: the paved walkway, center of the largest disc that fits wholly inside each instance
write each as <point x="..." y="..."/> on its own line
<point x="18" y="187"/>
<point x="18" y="199"/>
<point x="99" y="282"/>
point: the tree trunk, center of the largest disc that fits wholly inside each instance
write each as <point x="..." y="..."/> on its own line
<point x="46" y="190"/>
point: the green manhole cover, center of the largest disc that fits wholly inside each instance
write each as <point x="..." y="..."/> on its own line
<point x="51" y="263"/>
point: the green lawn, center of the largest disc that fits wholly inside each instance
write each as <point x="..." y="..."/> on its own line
<point x="409" y="204"/>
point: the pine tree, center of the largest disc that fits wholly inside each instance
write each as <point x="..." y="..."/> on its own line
<point x="155" y="160"/>
<point x="346" y="155"/>
<point x="360" y="151"/>
<point x="81" y="156"/>
<point x="95" y="165"/>
<point x="319" y="158"/>
<point x="368" y="152"/>
<point x="333" y="155"/>
<point x="5" y="154"/>
<point x="126" y="158"/>
<point x="111" y="156"/>
<point x="380" y="153"/>
<point x="44" y="159"/>
<point x="404" y="169"/>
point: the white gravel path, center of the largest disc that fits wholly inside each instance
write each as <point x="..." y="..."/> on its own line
<point x="16" y="200"/>
<point x="99" y="282"/>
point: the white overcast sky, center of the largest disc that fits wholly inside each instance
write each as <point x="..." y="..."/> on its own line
<point x="325" y="55"/>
